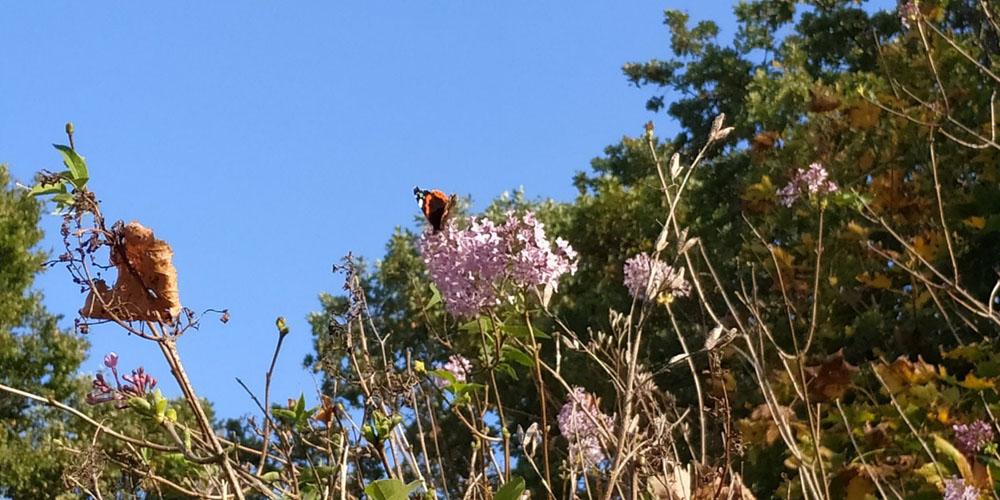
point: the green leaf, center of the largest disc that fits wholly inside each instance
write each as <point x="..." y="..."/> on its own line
<point x="435" y="297"/>
<point x="310" y="474"/>
<point x="443" y="374"/>
<point x="507" y="370"/>
<point x="462" y="388"/>
<point x="390" y="489"/>
<point x="510" y="491"/>
<point x="44" y="189"/>
<point x="77" y="167"/>
<point x="943" y="446"/>
<point x="515" y="355"/>
<point x="522" y="332"/>
<point x="286" y="416"/>
<point x="300" y="406"/>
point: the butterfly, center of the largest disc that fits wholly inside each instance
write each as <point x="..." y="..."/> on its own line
<point x="435" y="205"/>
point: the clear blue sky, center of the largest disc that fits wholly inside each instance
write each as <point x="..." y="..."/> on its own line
<point x="265" y="140"/>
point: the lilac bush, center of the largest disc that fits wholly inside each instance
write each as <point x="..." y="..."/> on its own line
<point x="470" y="266"/>
<point x="646" y="277"/>
<point x="812" y="181"/>
<point x="580" y="421"/>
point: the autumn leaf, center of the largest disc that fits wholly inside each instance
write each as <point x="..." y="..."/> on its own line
<point x="878" y="280"/>
<point x="831" y="378"/>
<point x="146" y="286"/>
<point x="919" y="372"/>
<point x="859" y="487"/>
<point x="975" y="383"/>
<point x="326" y="411"/>
<point x="927" y="244"/>
<point x="856" y="232"/>
<point x="864" y="115"/>
<point x="975" y="222"/>
<point x="764" y="140"/>
<point x="760" y="196"/>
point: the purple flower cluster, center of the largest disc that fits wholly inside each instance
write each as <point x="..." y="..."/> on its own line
<point x="813" y="180"/>
<point x="469" y="266"/>
<point x="971" y="438"/>
<point x="908" y="11"/>
<point x="458" y="367"/>
<point x="646" y="277"/>
<point x="139" y="383"/>
<point x="957" y="489"/>
<point x="580" y="421"/>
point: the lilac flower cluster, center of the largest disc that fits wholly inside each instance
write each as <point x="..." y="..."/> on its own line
<point x="138" y="384"/>
<point x="458" y="367"/>
<point x="580" y="421"/>
<point x="957" y="489"/>
<point x="908" y="11"/>
<point x="646" y="277"/>
<point x="470" y="265"/>
<point x="812" y="180"/>
<point x="971" y="438"/>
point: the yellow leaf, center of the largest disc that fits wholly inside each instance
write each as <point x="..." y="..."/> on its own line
<point x="864" y="114"/>
<point x="859" y="487"/>
<point x="927" y="244"/>
<point x="942" y="416"/>
<point x="855" y="231"/>
<point x="975" y="222"/>
<point x="763" y="190"/>
<point x="975" y="383"/>
<point x="879" y="280"/>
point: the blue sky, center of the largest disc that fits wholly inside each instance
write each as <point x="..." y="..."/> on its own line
<point x="265" y="140"/>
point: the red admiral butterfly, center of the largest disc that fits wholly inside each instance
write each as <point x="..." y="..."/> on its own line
<point x="435" y="205"/>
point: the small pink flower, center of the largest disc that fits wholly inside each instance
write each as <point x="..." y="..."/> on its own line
<point x="111" y="360"/>
<point x="139" y="383"/>
<point x="812" y="181"/>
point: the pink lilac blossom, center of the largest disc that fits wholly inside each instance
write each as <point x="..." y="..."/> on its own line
<point x="971" y="438"/>
<point x="957" y="489"/>
<point x="812" y="180"/>
<point x="641" y="267"/>
<point x="581" y="421"/>
<point x="469" y="265"/>
<point x="139" y="383"/>
<point x="458" y="366"/>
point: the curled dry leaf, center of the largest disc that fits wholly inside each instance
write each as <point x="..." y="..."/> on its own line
<point x="146" y="287"/>
<point x="326" y="411"/>
<point x="831" y="378"/>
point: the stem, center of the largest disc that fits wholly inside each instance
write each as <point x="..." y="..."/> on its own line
<point x="541" y="398"/>
<point x="169" y="348"/>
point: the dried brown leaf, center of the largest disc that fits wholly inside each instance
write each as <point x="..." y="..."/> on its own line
<point x="146" y="287"/>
